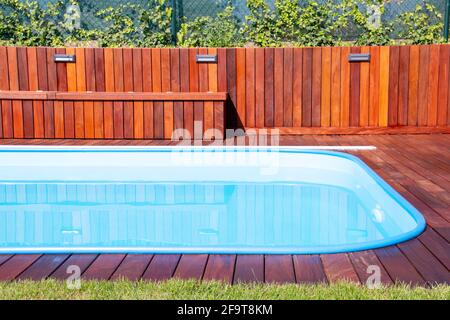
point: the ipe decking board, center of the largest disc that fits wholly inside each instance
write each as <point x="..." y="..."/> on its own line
<point x="13" y="267"/>
<point x="132" y="267"/>
<point x="338" y="267"/>
<point x="279" y="269"/>
<point x="162" y="267"/>
<point x="43" y="267"/>
<point x="83" y="261"/>
<point x="4" y="257"/>
<point x="249" y="268"/>
<point x="220" y="268"/>
<point x="103" y="267"/>
<point x="398" y="266"/>
<point x="363" y="260"/>
<point x="309" y="269"/>
<point x="191" y="266"/>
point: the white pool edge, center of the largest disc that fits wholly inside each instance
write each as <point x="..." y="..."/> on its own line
<point x="183" y="147"/>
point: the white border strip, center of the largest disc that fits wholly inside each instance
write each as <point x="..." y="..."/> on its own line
<point x="181" y="147"/>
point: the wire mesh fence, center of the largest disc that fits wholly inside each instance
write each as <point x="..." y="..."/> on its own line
<point x="185" y="10"/>
<point x="194" y="8"/>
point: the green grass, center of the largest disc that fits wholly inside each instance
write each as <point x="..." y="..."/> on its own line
<point x="177" y="289"/>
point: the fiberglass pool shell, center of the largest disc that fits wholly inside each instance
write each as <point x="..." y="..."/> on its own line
<point x="139" y="200"/>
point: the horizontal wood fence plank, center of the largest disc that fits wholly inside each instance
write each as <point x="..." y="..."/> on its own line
<point x="113" y="96"/>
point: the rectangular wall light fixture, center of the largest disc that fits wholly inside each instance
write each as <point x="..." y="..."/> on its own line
<point x="206" y="58"/>
<point x="359" y="57"/>
<point x="64" y="58"/>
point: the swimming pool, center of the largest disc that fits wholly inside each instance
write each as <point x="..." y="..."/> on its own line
<point x="196" y="200"/>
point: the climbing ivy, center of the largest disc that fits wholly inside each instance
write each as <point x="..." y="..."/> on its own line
<point x="371" y="32"/>
<point x="286" y="23"/>
<point x="219" y="31"/>
<point x="421" y="26"/>
<point x="30" y="24"/>
<point x="150" y="29"/>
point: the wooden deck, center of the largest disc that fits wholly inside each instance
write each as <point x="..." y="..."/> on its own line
<point x="417" y="166"/>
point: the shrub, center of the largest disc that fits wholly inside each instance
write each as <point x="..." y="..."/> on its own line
<point x="121" y="28"/>
<point x="287" y="26"/>
<point x="320" y="24"/>
<point x="155" y="20"/>
<point x="372" y="33"/>
<point x="74" y="33"/>
<point x="421" y="26"/>
<point x="219" y="31"/>
<point x="30" y="24"/>
<point x="260" y="24"/>
<point x="151" y="28"/>
<point x="288" y="23"/>
<point x="314" y="24"/>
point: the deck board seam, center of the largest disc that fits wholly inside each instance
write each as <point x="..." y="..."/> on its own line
<point x="51" y="274"/>
<point x="204" y="267"/>
<point x="354" y="268"/>
<point x="147" y="266"/>
<point x="427" y="282"/>
<point x="293" y="267"/>
<point x="233" y="273"/>
<point x="384" y="267"/>
<point x="56" y="268"/>
<point x="89" y="265"/>
<point x="392" y="276"/>
<point x="433" y="254"/>
<point x="9" y="258"/>
<point x="20" y="273"/>
<point x="264" y="269"/>
<point x="176" y="266"/>
<point x="117" y="267"/>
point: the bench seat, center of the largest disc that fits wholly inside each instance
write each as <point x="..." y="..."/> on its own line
<point x="113" y="115"/>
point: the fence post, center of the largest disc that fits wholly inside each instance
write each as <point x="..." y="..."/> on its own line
<point x="447" y="20"/>
<point x="177" y="15"/>
<point x="173" y="26"/>
<point x="180" y="11"/>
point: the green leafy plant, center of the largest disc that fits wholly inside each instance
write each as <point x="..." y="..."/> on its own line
<point x="313" y="24"/>
<point x="74" y="33"/>
<point x="155" y="22"/>
<point x="121" y="28"/>
<point x="421" y="26"/>
<point x="149" y="24"/>
<point x="219" y="31"/>
<point x="319" y="24"/>
<point x="29" y="23"/>
<point x="287" y="21"/>
<point x="151" y="28"/>
<point x="372" y="32"/>
<point x="260" y="27"/>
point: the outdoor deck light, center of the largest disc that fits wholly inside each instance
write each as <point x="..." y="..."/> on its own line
<point x="206" y="58"/>
<point x="64" y="58"/>
<point x="359" y="57"/>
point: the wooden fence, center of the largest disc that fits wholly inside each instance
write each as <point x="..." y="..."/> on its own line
<point x="299" y="90"/>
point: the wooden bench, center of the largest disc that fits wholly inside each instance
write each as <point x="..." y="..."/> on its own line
<point x="112" y="115"/>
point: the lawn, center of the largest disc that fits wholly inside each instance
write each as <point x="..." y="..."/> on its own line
<point x="178" y="289"/>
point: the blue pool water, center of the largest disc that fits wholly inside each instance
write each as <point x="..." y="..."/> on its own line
<point x="170" y="200"/>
